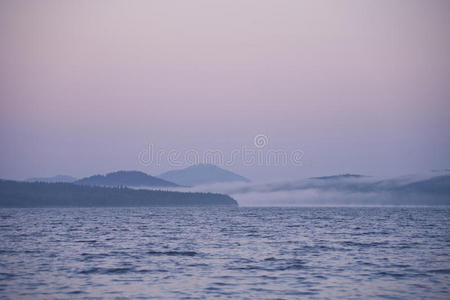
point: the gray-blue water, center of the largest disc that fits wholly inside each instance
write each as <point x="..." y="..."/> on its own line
<point x="251" y="253"/>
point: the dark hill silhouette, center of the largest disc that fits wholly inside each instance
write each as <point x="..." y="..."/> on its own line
<point x="343" y="176"/>
<point x="57" y="178"/>
<point x="40" y="194"/>
<point x="126" y="178"/>
<point x="202" y="174"/>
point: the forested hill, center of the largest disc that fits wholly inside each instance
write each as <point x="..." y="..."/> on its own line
<point x="40" y="194"/>
<point x="126" y="178"/>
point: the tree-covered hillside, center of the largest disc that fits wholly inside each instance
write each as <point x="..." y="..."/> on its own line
<point x="40" y="194"/>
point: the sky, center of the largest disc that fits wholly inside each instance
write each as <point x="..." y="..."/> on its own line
<point x="89" y="87"/>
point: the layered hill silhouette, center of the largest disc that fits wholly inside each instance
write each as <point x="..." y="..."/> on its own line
<point x="126" y="178"/>
<point x="202" y="174"/>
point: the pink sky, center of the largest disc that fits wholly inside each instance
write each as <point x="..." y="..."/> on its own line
<point x="359" y="86"/>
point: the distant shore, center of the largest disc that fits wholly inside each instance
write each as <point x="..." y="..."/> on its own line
<point x="39" y="194"/>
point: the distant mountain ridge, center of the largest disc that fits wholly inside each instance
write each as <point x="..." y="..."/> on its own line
<point x="125" y="178"/>
<point x="342" y="176"/>
<point x="202" y="174"/>
<point x="57" y="178"/>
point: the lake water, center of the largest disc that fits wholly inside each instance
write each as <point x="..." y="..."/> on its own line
<point x="253" y="253"/>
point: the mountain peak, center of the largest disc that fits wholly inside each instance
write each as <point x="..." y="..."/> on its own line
<point x="201" y="174"/>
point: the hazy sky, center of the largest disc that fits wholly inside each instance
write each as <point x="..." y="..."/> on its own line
<point x="357" y="86"/>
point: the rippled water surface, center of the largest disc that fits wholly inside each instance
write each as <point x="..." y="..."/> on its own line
<point x="249" y="253"/>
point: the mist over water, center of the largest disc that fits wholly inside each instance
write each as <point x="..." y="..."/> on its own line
<point x="225" y="253"/>
<point x="431" y="188"/>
